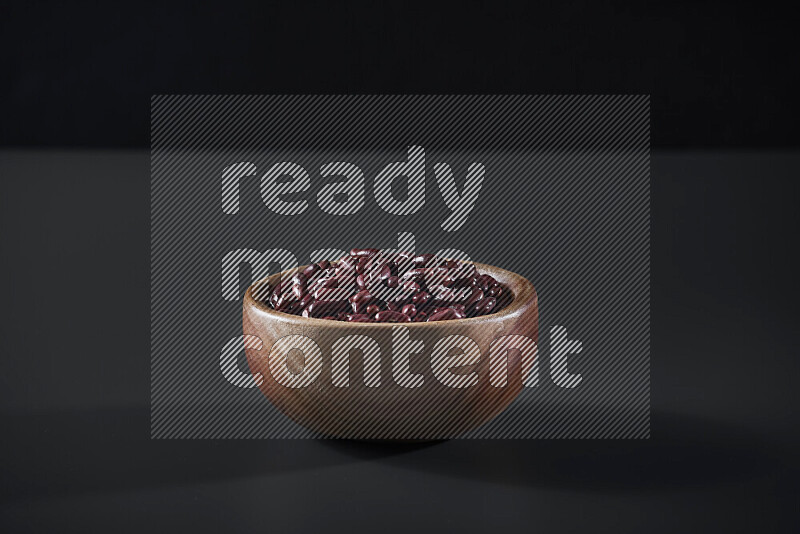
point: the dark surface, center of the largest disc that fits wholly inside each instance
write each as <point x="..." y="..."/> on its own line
<point x="76" y="454"/>
<point x="81" y="73"/>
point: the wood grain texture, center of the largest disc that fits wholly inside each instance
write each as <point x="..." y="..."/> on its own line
<point x="390" y="411"/>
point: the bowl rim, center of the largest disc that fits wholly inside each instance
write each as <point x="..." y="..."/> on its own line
<point x="523" y="299"/>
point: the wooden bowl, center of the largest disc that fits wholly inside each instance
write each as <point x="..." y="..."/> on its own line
<point x="307" y="386"/>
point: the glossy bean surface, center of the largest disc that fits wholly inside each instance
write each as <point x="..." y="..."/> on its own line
<point x="371" y="286"/>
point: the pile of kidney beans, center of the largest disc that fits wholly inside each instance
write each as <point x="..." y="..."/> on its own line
<point x="370" y="286"/>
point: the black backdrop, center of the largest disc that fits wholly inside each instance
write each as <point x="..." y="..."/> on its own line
<point x="81" y="74"/>
<point x="75" y="453"/>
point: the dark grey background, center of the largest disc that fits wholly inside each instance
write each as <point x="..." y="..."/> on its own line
<point x="75" y="454"/>
<point x="721" y="73"/>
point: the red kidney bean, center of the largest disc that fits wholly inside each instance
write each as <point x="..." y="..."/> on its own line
<point x="421" y="298"/>
<point x="403" y="264"/>
<point x="441" y="275"/>
<point x="327" y="293"/>
<point x="449" y="294"/>
<point x="361" y="252"/>
<point x="291" y="308"/>
<point x="275" y="298"/>
<point x="309" y="271"/>
<point x="306" y="300"/>
<point x="324" y="283"/>
<point x="361" y="266"/>
<point x="423" y="259"/>
<point x="321" y="308"/>
<point x="283" y="301"/>
<point x="486" y="281"/>
<point x="464" y="269"/>
<point x="445" y="314"/>
<point x="299" y="285"/>
<point x="367" y="282"/>
<point x="416" y="274"/>
<point x="279" y="291"/>
<point x="388" y="316"/>
<point x="410" y="286"/>
<point x="485" y="306"/>
<point x="476" y="295"/>
<point x="361" y="281"/>
<point x="409" y="309"/>
<point x="360" y="300"/>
